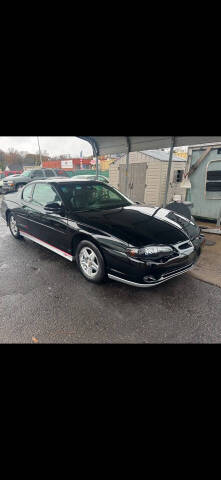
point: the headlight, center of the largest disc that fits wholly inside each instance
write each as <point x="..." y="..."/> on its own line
<point x="11" y="184"/>
<point x="152" y="251"/>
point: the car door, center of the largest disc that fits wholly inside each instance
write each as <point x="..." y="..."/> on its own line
<point x="48" y="227"/>
<point x="24" y="208"/>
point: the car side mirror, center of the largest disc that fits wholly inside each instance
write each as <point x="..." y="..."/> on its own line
<point x="53" y="207"/>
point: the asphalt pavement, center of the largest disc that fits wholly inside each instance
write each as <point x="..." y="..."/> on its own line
<point x="44" y="299"/>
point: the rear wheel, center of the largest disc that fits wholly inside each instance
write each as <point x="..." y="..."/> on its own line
<point x="13" y="227"/>
<point x="90" y="262"/>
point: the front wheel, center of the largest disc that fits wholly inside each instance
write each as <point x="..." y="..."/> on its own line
<point x="90" y="262"/>
<point x="13" y="227"/>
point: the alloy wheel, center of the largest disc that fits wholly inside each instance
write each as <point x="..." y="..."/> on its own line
<point x="13" y="226"/>
<point x="89" y="262"/>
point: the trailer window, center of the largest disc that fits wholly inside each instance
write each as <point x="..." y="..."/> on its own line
<point x="178" y="176"/>
<point x="213" y="181"/>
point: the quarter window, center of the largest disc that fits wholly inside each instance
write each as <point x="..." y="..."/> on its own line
<point x="44" y="193"/>
<point x="27" y="194"/>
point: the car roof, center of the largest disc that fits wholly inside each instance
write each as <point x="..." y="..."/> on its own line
<point x="65" y="180"/>
<point x="82" y="176"/>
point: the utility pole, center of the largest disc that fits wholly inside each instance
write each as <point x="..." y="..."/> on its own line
<point x="39" y="152"/>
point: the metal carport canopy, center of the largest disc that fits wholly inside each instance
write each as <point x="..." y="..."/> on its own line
<point x="111" y="145"/>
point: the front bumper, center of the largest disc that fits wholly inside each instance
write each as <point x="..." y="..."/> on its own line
<point x="8" y="189"/>
<point x="151" y="284"/>
<point x="150" y="274"/>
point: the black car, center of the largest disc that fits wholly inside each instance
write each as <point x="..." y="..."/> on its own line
<point x="105" y="232"/>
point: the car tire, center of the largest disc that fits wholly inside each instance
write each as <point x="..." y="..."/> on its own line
<point x="13" y="227"/>
<point x="90" y="262"/>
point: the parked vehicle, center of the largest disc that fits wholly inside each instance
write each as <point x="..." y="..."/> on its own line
<point x="2" y="176"/>
<point x="101" y="178"/>
<point x="1" y="185"/>
<point x="12" y="184"/>
<point x="104" y="231"/>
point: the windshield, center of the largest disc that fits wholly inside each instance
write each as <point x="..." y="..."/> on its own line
<point x="81" y="197"/>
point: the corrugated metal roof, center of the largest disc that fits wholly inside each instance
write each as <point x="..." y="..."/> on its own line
<point x="162" y="156"/>
<point x="119" y="144"/>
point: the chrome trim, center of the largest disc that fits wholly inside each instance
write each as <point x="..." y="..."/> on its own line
<point x="47" y="245"/>
<point x="187" y="251"/>
<point x="145" y="285"/>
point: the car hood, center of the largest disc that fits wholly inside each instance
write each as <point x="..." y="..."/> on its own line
<point x="139" y="225"/>
<point x="9" y="177"/>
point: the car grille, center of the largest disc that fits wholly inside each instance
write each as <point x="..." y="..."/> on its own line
<point x="184" y="248"/>
<point x="168" y="274"/>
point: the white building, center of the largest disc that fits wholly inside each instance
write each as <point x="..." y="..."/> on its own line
<point x="147" y="176"/>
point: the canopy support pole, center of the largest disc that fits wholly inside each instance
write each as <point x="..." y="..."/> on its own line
<point x="127" y="165"/>
<point x="169" y="171"/>
<point x="97" y="167"/>
<point x="95" y="148"/>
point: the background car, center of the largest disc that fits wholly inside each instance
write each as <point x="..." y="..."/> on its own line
<point x="2" y="178"/>
<point x="101" y="178"/>
<point x="13" y="184"/>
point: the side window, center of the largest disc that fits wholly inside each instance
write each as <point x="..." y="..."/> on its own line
<point x="37" y="174"/>
<point x="49" y="173"/>
<point x="27" y="194"/>
<point x="44" y="193"/>
<point x="213" y="181"/>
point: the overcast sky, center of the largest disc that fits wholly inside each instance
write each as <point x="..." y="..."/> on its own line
<point x="53" y="145"/>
